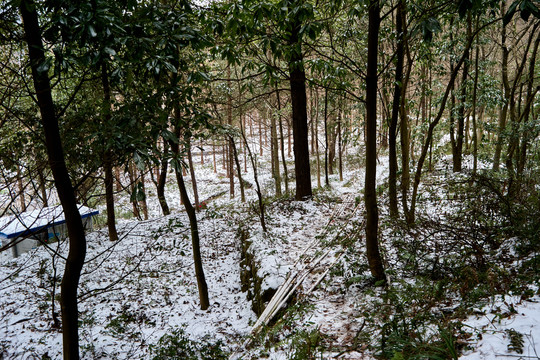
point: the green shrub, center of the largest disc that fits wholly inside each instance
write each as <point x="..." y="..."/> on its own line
<point x="177" y="345"/>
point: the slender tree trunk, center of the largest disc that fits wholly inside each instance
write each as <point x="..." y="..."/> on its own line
<point x="162" y="179"/>
<point x="117" y="179"/>
<point x="239" y="171"/>
<point x="109" y="197"/>
<point x="282" y="143"/>
<point x="433" y="124"/>
<point x="230" y="162"/>
<point x="66" y="194"/>
<point x="195" y="241"/>
<point x="474" y="97"/>
<point x="144" y="205"/>
<point x="458" y="156"/>
<point x="370" y="197"/>
<point x="202" y="152"/>
<point x="506" y="89"/>
<point x="316" y="120"/>
<point x="107" y="156"/>
<point x="214" y="155"/>
<point x="132" y="173"/>
<point x="405" y="139"/>
<point x="531" y="93"/>
<point x="392" y="131"/>
<point x="42" y="185"/>
<point x="326" y="181"/>
<point x="22" y="200"/>
<point x="256" y="178"/>
<point x="312" y="117"/>
<point x="275" y="154"/>
<point x="193" y="178"/>
<point x="260" y="137"/>
<point x="340" y="146"/>
<point x="297" y="78"/>
<point x="197" y="258"/>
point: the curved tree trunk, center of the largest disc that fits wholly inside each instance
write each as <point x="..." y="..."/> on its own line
<point x="190" y="210"/>
<point x="64" y="187"/>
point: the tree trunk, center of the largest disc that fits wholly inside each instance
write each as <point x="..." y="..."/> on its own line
<point x="256" y="178"/>
<point x="195" y="242"/>
<point x="109" y="197"/>
<point x="275" y="153"/>
<point x="282" y="143"/>
<point x="299" y="115"/>
<point x="230" y="162"/>
<point x="531" y="93"/>
<point x="392" y="131"/>
<point x="372" y="212"/>
<point x="107" y="156"/>
<point x="474" y="97"/>
<point x="162" y="179"/>
<point x="66" y="194"/>
<point x="190" y="210"/>
<point x="192" y="175"/>
<point x="22" y="200"/>
<point x="431" y="128"/>
<point x="458" y="156"/>
<point x="326" y="181"/>
<point x="42" y="185"/>
<point x="506" y="89"/>
<point x="340" y="146"/>
<point x="144" y="205"/>
<point x="239" y="171"/>
<point x="316" y="121"/>
<point x="132" y="173"/>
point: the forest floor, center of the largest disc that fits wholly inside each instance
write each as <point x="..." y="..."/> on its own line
<point x="451" y="291"/>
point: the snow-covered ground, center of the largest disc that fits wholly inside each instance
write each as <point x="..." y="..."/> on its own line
<point x="142" y="287"/>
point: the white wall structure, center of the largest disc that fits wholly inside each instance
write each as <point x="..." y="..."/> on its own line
<point x="28" y="229"/>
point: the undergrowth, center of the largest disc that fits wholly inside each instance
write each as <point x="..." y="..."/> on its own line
<point x="475" y="237"/>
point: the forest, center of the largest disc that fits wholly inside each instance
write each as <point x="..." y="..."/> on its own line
<point x="275" y="179"/>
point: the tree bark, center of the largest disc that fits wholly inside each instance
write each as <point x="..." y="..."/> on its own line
<point x="282" y="144"/>
<point x="192" y="216"/>
<point x="192" y="175"/>
<point x="275" y="153"/>
<point x="297" y="77"/>
<point x="22" y="200"/>
<point x="109" y="197"/>
<point x="458" y="155"/>
<point x="506" y="89"/>
<point x="531" y="93"/>
<point x="370" y="197"/>
<point x="474" y="97"/>
<point x="326" y="181"/>
<point x="162" y="179"/>
<point x="107" y="157"/>
<point x="392" y="131"/>
<point x="433" y="124"/>
<point x="230" y="158"/>
<point x="144" y="204"/>
<point x="256" y="178"/>
<point x="64" y="187"/>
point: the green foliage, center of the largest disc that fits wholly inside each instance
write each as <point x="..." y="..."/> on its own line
<point x="516" y="341"/>
<point x="177" y="345"/>
<point x="306" y="344"/>
<point x="126" y="323"/>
